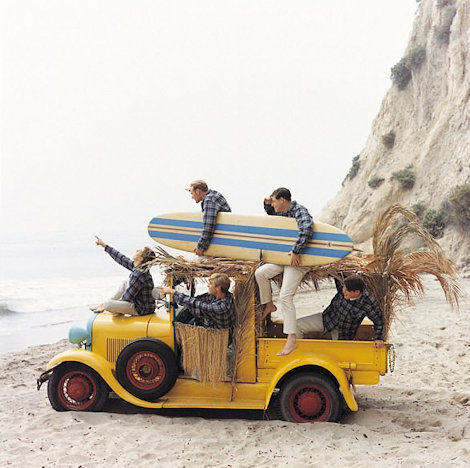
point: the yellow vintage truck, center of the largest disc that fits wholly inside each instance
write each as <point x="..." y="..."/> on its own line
<point x="138" y="358"/>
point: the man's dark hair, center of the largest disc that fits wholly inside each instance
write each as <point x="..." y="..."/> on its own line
<point x="354" y="283"/>
<point x="282" y="192"/>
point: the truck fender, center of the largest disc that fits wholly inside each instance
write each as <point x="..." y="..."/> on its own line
<point x="317" y="360"/>
<point x="104" y="369"/>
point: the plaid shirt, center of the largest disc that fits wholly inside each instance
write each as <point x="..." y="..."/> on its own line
<point x="304" y="221"/>
<point x="212" y="312"/>
<point x="347" y="315"/>
<point x="211" y="204"/>
<point x="139" y="291"/>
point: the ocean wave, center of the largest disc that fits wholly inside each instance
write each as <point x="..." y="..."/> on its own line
<point x="5" y="311"/>
<point x="49" y="295"/>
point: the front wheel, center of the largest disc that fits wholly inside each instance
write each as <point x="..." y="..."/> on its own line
<point x="310" y="398"/>
<point x="76" y="387"/>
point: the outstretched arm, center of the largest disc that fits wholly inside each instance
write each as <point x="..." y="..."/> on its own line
<point x="100" y="242"/>
<point x="115" y="255"/>
<point x="218" y="311"/>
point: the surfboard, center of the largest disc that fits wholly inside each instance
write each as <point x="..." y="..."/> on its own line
<point x="255" y="238"/>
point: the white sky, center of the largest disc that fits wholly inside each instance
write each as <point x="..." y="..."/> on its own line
<point x="108" y="109"/>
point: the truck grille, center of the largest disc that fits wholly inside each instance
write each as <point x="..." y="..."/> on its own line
<point x="114" y="347"/>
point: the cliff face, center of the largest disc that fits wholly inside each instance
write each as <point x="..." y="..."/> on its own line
<point x="422" y="129"/>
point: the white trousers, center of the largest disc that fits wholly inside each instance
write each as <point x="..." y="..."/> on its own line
<point x="290" y="282"/>
<point x="116" y="306"/>
<point x="313" y="323"/>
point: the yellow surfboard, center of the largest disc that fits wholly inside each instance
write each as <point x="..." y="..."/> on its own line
<point x="245" y="237"/>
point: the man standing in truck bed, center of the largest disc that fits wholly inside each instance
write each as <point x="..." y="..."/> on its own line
<point x="280" y="203"/>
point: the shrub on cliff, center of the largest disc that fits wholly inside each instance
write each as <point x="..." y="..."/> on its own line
<point x="405" y="177"/>
<point x="434" y="222"/>
<point x="356" y="164"/>
<point x="375" y="182"/>
<point x="401" y="72"/>
<point x="416" y="57"/>
<point x="418" y="210"/>
<point x="459" y="202"/>
<point x="389" y="139"/>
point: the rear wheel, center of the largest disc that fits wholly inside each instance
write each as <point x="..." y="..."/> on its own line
<point x="310" y="398"/>
<point x="147" y="368"/>
<point x="76" y="387"/>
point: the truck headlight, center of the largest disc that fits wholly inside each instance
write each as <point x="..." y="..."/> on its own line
<point x="77" y="335"/>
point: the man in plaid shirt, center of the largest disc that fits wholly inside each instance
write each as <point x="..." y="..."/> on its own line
<point x="214" y="309"/>
<point x="280" y="203"/>
<point x="134" y="297"/>
<point x="211" y="203"/>
<point x="345" y="313"/>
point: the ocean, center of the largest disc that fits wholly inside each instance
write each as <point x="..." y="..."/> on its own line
<point x="49" y="282"/>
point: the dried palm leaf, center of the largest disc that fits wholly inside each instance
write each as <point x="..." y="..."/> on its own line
<point x="243" y="303"/>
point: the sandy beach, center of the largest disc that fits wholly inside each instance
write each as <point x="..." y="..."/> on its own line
<point x="417" y="416"/>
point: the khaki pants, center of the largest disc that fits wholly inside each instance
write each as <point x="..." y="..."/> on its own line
<point x="290" y="282"/>
<point x="117" y="306"/>
<point x="313" y="323"/>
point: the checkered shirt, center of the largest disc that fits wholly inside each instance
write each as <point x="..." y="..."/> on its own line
<point x="211" y="204"/>
<point x="304" y="221"/>
<point x="139" y="291"/>
<point x="211" y="311"/>
<point x="347" y="315"/>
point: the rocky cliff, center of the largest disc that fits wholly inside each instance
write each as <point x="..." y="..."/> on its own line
<point x="418" y="151"/>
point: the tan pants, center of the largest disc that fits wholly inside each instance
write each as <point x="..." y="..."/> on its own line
<point x="313" y="323"/>
<point x="116" y="306"/>
<point x="290" y="282"/>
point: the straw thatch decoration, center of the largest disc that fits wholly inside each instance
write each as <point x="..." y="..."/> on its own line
<point x="204" y="351"/>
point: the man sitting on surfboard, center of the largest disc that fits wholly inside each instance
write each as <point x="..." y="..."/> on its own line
<point x="280" y="203"/>
<point x="134" y="296"/>
<point x="211" y="203"/>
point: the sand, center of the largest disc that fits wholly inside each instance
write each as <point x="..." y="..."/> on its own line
<point x="417" y="416"/>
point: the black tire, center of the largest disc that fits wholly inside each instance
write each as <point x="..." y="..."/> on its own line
<point x="310" y="398"/>
<point x="73" y="386"/>
<point x="147" y="368"/>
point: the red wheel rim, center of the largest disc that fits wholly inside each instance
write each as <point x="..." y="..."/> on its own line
<point x="76" y="390"/>
<point x="309" y="403"/>
<point x="145" y="370"/>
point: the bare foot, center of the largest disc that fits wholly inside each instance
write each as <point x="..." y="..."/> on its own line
<point x="268" y="308"/>
<point x="98" y="308"/>
<point x="288" y="348"/>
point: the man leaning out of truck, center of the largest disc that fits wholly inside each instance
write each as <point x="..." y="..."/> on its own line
<point x="345" y="313"/>
<point x="214" y="309"/>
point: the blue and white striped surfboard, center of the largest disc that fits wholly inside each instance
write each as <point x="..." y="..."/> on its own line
<point x="245" y="237"/>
